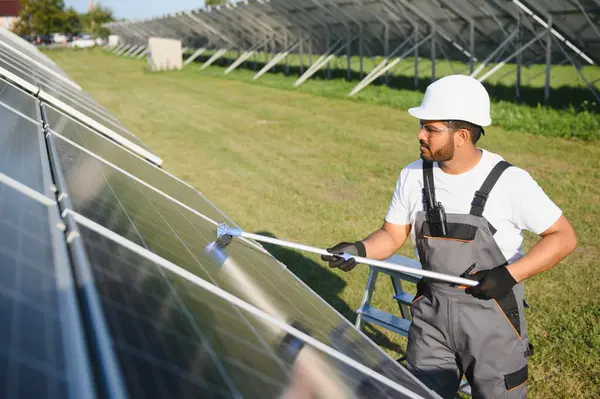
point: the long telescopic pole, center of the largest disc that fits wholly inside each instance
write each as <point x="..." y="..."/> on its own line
<point x="224" y="230"/>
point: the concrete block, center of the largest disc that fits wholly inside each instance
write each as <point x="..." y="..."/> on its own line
<point x="164" y="54"/>
<point x="113" y="41"/>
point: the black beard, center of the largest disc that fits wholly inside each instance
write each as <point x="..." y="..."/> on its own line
<point x="444" y="154"/>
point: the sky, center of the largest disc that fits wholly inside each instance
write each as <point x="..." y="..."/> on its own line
<point x="136" y="9"/>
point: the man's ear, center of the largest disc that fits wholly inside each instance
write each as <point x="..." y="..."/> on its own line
<point x="462" y="137"/>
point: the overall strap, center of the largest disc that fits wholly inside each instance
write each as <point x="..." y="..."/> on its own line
<point x="481" y="195"/>
<point x="428" y="185"/>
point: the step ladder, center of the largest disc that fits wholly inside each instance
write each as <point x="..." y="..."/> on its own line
<point x="398" y="324"/>
<point x="368" y="313"/>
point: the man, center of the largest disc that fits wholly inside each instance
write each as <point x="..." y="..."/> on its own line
<point x="465" y="209"/>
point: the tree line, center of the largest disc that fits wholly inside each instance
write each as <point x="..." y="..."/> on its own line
<point x="43" y="17"/>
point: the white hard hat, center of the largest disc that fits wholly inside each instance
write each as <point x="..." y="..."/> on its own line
<point x="455" y="97"/>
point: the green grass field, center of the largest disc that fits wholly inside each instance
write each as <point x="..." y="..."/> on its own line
<point x="318" y="170"/>
<point x="571" y="111"/>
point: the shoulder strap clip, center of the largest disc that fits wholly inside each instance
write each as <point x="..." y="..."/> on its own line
<point x="481" y="195"/>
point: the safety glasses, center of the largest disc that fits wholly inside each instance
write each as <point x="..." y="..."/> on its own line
<point x="431" y="130"/>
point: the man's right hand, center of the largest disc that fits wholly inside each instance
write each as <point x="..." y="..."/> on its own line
<point x="357" y="248"/>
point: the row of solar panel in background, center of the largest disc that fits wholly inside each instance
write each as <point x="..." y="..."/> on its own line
<point x="128" y="327"/>
<point x="282" y="23"/>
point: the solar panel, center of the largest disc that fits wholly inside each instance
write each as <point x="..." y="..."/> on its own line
<point x="92" y="117"/>
<point x="20" y="152"/>
<point x="78" y="97"/>
<point x="15" y="42"/>
<point x="181" y="341"/>
<point x="144" y="216"/>
<point x="24" y="77"/>
<point x="18" y="101"/>
<point x="42" y="353"/>
<point x="155" y="312"/>
<point x="121" y="158"/>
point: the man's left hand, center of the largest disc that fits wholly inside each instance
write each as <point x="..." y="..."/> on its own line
<point x="493" y="283"/>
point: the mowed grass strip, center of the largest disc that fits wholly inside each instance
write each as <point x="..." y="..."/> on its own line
<point x="318" y="170"/>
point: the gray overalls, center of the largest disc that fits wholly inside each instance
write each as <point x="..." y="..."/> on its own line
<point x="453" y="333"/>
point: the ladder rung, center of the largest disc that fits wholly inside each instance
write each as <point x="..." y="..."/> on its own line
<point x="399" y="275"/>
<point x="385" y="320"/>
<point x="404" y="298"/>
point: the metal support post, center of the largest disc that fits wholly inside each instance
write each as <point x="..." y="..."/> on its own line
<point x="349" y="57"/>
<point x="138" y="51"/>
<point x="471" y="47"/>
<point x="489" y="58"/>
<point x="416" y="77"/>
<point x="322" y="60"/>
<point x="142" y="54"/>
<point x="196" y="54"/>
<point x="385" y="66"/>
<point x="278" y="57"/>
<point x="510" y="57"/>
<point x="273" y="50"/>
<point x="245" y="55"/>
<point x="386" y="48"/>
<point x="310" y="50"/>
<point x="131" y="50"/>
<point x="214" y="57"/>
<point x="361" y="50"/>
<point x="124" y="49"/>
<point x="117" y="48"/>
<point x="589" y="84"/>
<point x="327" y="44"/>
<point x="433" y="55"/>
<point x="301" y="55"/>
<point x="266" y="51"/>
<point x="548" y="59"/>
<point x="287" y="61"/>
<point x="519" y="58"/>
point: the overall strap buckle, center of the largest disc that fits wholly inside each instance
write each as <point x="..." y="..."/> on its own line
<point x="479" y="200"/>
<point x="481" y="195"/>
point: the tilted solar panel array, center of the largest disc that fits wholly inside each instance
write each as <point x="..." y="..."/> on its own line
<point x="276" y="25"/>
<point x="106" y="287"/>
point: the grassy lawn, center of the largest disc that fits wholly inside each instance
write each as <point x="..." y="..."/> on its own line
<point x="571" y="111"/>
<point x="318" y="170"/>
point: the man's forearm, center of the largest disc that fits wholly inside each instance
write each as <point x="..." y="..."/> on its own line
<point x="549" y="251"/>
<point x="381" y="245"/>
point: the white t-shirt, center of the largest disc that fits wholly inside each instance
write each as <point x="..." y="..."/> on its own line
<point x="516" y="202"/>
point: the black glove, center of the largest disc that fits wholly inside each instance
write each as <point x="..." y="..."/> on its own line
<point x="357" y="248"/>
<point x="494" y="283"/>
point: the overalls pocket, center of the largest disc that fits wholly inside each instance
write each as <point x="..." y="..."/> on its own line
<point x="451" y="254"/>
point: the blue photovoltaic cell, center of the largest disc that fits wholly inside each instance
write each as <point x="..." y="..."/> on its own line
<point x="20" y="156"/>
<point x="140" y="214"/>
<point x="11" y="96"/>
<point x="33" y="315"/>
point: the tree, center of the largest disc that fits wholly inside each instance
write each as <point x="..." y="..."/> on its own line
<point x="71" y="22"/>
<point x="215" y="2"/>
<point x="92" y="21"/>
<point x="41" y="17"/>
